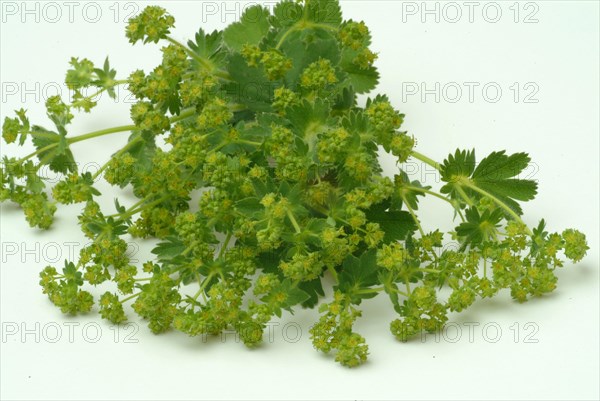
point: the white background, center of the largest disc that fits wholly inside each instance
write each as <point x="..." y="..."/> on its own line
<point x="558" y="55"/>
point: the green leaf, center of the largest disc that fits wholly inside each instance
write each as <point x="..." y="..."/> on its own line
<point x="250" y="86"/>
<point x="106" y="78"/>
<point x="71" y="274"/>
<point x="321" y="13"/>
<point x="286" y="295"/>
<point x="391" y="288"/>
<point x="120" y="208"/>
<point x="539" y="236"/>
<point x="395" y="224"/>
<point x="81" y="74"/>
<point x="345" y="100"/>
<point x="479" y="227"/>
<point x="268" y="262"/>
<point x="251" y="29"/>
<point x="249" y="207"/>
<point x="143" y="151"/>
<point x="404" y="190"/>
<point x="58" y="156"/>
<point x="309" y="119"/>
<point x="362" y="80"/>
<point x="314" y="289"/>
<point x="359" y="274"/>
<point x="495" y="175"/>
<point x="326" y="12"/>
<point x="208" y="46"/>
<point x="263" y="187"/>
<point x="24" y="129"/>
<point x="356" y="122"/>
<point x="34" y="184"/>
<point x="169" y="250"/>
<point x="499" y="166"/>
<point x="306" y="47"/>
<point x="295" y="295"/>
<point x="461" y="164"/>
<point x="286" y="13"/>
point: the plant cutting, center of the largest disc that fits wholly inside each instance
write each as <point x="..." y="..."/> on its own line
<point x="262" y="119"/>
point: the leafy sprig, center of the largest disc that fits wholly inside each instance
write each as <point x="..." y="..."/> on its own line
<point x="262" y="118"/>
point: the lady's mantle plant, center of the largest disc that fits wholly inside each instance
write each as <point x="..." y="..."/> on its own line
<point x="263" y="117"/>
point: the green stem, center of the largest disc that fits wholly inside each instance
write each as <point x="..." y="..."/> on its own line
<point x="284" y="37"/>
<point x="300" y="25"/>
<point x="333" y="273"/>
<point x="223" y="75"/>
<point x="120" y="82"/>
<point x="484" y="267"/>
<point x="29" y="156"/>
<point x="139" y="206"/>
<point x="189" y="248"/>
<point x="136" y="204"/>
<point x="124" y="149"/>
<point x="460" y="214"/>
<point x="79" y="139"/>
<point x="115" y="83"/>
<point x="253" y="143"/>
<point x="236" y="107"/>
<point x="464" y="195"/>
<point x="426" y="191"/>
<point x="205" y="63"/>
<point x="203" y="285"/>
<point x="414" y="216"/>
<point x="426" y="270"/>
<point x="389" y="289"/>
<point x="224" y="246"/>
<point x="439" y="196"/>
<point x="130" y="297"/>
<point x="321" y="210"/>
<point x="96" y="94"/>
<point x="340" y="220"/>
<point x="407" y="284"/>
<point x="185" y="114"/>
<point x="103" y="132"/>
<point x="370" y="290"/>
<point x="148" y="205"/>
<point x="293" y="220"/>
<point x="426" y="160"/>
<point x="498" y="202"/>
